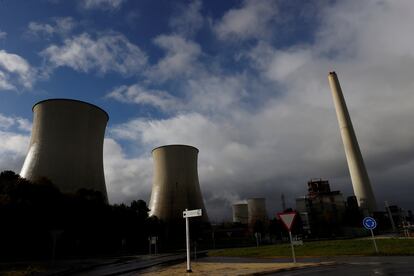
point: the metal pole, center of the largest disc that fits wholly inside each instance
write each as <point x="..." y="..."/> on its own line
<point x="293" y="249"/>
<point x="187" y="230"/>
<point x="373" y="239"/>
<point x="390" y="216"/>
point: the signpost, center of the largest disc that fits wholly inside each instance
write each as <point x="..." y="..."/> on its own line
<point x="189" y="214"/>
<point x="288" y="218"/>
<point x="370" y="224"/>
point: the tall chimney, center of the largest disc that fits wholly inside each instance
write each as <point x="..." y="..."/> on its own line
<point x="359" y="176"/>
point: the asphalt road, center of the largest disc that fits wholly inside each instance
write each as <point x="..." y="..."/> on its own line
<point x="356" y="266"/>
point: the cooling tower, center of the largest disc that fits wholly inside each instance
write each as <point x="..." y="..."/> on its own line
<point x="359" y="176"/>
<point x="256" y="210"/>
<point x="66" y="145"/>
<point x="175" y="184"/>
<point x="240" y="213"/>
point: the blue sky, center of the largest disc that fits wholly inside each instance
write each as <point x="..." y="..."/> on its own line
<point x="244" y="81"/>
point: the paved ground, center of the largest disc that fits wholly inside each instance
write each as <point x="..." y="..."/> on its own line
<point x="89" y="266"/>
<point x="173" y="264"/>
<point x="232" y="266"/>
<point x="218" y="269"/>
<point x="337" y="266"/>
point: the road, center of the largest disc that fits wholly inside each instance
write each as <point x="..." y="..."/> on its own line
<point x="358" y="266"/>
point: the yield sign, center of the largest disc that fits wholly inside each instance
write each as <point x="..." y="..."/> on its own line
<point x="287" y="219"/>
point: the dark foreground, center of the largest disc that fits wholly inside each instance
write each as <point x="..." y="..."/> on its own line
<point x="360" y="266"/>
<point x="136" y="265"/>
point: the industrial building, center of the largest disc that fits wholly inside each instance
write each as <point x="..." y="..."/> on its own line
<point x="322" y="211"/>
<point x="257" y="215"/>
<point x="359" y="176"/>
<point x="240" y="213"/>
<point x="175" y="184"/>
<point x="66" y="145"/>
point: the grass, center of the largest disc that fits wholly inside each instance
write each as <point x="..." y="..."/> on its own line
<point x="355" y="247"/>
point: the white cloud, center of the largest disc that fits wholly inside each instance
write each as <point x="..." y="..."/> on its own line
<point x="188" y="19"/>
<point x="140" y="95"/>
<point x="275" y="145"/>
<point x="15" y="71"/>
<point x="60" y="26"/>
<point x="7" y="122"/>
<point x="13" y="149"/>
<point x="3" y="35"/>
<point x="126" y="178"/>
<point x="252" y="20"/>
<point x="180" y="59"/>
<point x="110" y="52"/>
<point x="215" y="93"/>
<point x="102" y="4"/>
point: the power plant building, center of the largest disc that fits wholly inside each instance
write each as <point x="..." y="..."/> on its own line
<point x="240" y="213"/>
<point x="175" y="183"/>
<point x="256" y="211"/>
<point x="66" y="145"/>
<point x="359" y="176"/>
<point x="321" y="210"/>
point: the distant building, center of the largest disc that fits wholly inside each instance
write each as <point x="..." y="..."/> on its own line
<point x="322" y="211"/>
<point x="257" y="214"/>
<point x="240" y="213"/>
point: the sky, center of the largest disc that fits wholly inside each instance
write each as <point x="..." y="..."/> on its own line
<point x="243" y="81"/>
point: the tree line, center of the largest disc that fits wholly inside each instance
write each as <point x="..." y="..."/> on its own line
<point x="38" y="221"/>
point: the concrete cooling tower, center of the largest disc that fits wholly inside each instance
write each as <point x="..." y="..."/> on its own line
<point x="256" y="210"/>
<point x="240" y="213"/>
<point x="175" y="183"/>
<point x="66" y="145"/>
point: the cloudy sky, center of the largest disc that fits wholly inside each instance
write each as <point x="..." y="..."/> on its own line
<point x="243" y="81"/>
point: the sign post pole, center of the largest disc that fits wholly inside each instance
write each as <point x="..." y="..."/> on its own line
<point x="375" y="243"/>
<point x="187" y="231"/>
<point x="188" y="214"/>
<point x="288" y="218"/>
<point x="293" y="248"/>
<point x="369" y="223"/>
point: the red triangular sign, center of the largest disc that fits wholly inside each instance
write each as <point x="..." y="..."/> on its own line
<point x="287" y="219"/>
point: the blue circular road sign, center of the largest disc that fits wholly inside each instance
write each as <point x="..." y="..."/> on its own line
<point x="369" y="223"/>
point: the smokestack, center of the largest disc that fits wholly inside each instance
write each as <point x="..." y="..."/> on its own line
<point x="359" y="176"/>
<point x="175" y="184"/>
<point x="66" y="145"/>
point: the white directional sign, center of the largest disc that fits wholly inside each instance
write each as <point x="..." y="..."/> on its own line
<point x="287" y="219"/>
<point x="192" y="213"/>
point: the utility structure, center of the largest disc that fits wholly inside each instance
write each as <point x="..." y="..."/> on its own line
<point x="257" y="212"/>
<point x="240" y="213"/>
<point x="175" y="185"/>
<point x="359" y="176"/>
<point x="66" y="145"/>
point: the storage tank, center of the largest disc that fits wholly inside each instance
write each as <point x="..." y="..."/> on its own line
<point x="240" y="213"/>
<point x="175" y="184"/>
<point x="66" y="145"/>
<point x="256" y="211"/>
